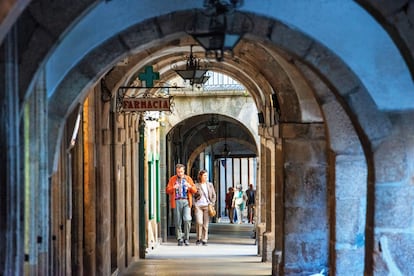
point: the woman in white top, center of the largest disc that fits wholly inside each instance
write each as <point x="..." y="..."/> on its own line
<point x="239" y="202"/>
<point x="208" y="196"/>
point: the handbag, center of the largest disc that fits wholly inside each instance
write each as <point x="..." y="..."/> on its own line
<point x="211" y="210"/>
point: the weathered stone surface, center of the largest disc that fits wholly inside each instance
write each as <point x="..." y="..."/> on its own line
<point x="30" y="60"/>
<point x="311" y="191"/>
<point x="43" y="31"/>
<point x="340" y="76"/>
<point x="306" y="131"/>
<point x="136" y="36"/>
<point x="342" y="134"/>
<point x="320" y="89"/>
<point x="315" y="186"/>
<point x="174" y="22"/>
<point x="305" y="254"/>
<point x="376" y="124"/>
<point x="306" y="224"/>
<point x="268" y="246"/>
<point x="302" y="152"/>
<point x="292" y="42"/>
<point x="289" y="99"/>
<point x="305" y="220"/>
<point x="98" y="61"/>
<point x="392" y="208"/>
<point x="350" y="185"/>
<point x="350" y="222"/>
<point x="400" y="247"/>
<point x="55" y="19"/>
<point x="349" y="262"/>
<point x="391" y="161"/>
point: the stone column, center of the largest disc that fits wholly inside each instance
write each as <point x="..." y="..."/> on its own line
<point x="44" y="187"/>
<point x="119" y="197"/>
<point x="89" y="187"/>
<point x="129" y="172"/>
<point x="163" y="181"/>
<point x="37" y="206"/>
<point x="268" y="192"/>
<point x="103" y="207"/>
<point x="261" y="197"/>
<point x="78" y="221"/>
<point x="135" y="188"/>
<point x="305" y="199"/>
<point x="12" y="250"/>
<point x="279" y="209"/>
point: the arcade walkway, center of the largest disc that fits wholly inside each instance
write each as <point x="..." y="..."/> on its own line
<point x="230" y="251"/>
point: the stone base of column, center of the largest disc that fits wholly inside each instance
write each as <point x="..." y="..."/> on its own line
<point x="276" y="262"/>
<point x="268" y="246"/>
<point x="259" y="236"/>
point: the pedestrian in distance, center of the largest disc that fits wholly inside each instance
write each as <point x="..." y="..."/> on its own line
<point x="229" y="204"/>
<point x="251" y="202"/>
<point x="239" y="202"/>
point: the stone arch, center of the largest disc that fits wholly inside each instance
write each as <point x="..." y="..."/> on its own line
<point x="98" y="61"/>
<point x="76" y="11"/>
<point x="347" y="89"/>
<point x="345" y="100"/>
<point x="397" y="19"/>
<point x="245" y="136"/>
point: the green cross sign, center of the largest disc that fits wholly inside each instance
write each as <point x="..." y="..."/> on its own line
<point x="149" y="76"/>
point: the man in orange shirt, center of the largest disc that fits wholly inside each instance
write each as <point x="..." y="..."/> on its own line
<point x="181" y="189"/>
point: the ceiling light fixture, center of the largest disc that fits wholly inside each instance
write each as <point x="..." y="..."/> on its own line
<point x="193" y="71"/>
<point x="226" y="150"/>
<point x="215" y="38"/>
<point x="213" y="123"/>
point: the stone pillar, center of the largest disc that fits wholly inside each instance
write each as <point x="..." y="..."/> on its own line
<point x="119" y="197"/>
<point x="349" y="204"/>
<point x="12" y="227"/>
<point x="305" y="199"/>
<point x="44" y="187"/>
<point x="89" y="187"/>
<point x="261" y="197"/>
<point x="103" y="189"/>
<point x="163" y="180"/>
<point x="78" y="221"/>
<point x="268" y="193"/>
<point x="135" y="188"/>
<point x="277" y="255"/>
<point x="128" y="157"/>
<point x="37" y="206"/>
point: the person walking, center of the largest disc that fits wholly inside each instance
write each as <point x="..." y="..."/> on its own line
<point x="239" y="202"/>
<point x="208" y="196"/>
<point x="181" y="188"/>
<point x="251" y="201"/>
<point x="229" y="204"/>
